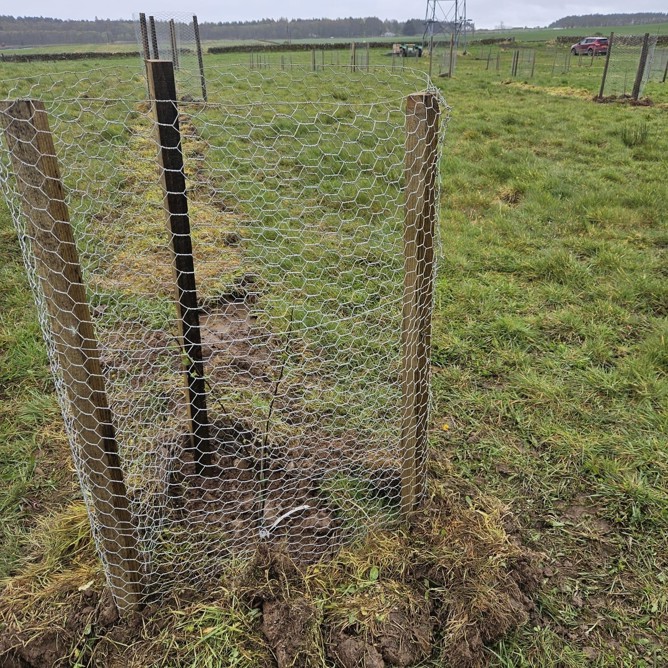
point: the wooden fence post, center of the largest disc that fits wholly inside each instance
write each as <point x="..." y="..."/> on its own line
<point x="431" y="54"/>
<point x="451" y="67"/>
<point x="163" y="97"/>
<point x="601" y="91"/>
<point x="154" y="37"/>
<point x="313" y="67"/>
<point x="422" y="119"/>
<point x="33" y="156"/>
<point x="353" y="56"/>
<point x="641" y="67"/>
<point x="200" y="60"/>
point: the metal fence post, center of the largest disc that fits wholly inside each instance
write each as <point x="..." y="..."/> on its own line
<point x="163" y="97"/>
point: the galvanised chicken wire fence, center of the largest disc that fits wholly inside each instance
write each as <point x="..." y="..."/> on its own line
<point x="630" y="65"/>
<point x="236" y="298"/>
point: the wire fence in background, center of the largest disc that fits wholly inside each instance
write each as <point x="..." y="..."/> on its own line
<point x="630" y="65"/>
<point x="634" y="61"/>
<point x="236" y="300"/>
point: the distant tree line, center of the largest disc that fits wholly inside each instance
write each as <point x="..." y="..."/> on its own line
<point x="596" y="20"/>
<point x="281" y="30"/>
<point x="38" y="31"/>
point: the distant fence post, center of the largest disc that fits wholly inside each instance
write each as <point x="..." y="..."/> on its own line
<point x="42" y="196"/>
<point x="163" y="97"/>
<point x="451" y="64"/>
<point x="601" y="91"/>
<point x="641" y="67"/>
<point x="200" y="60"/>
<point x="665" y="71"/>
<point x="172" y="38"/>
<point x="313" y="67"/>
<point x="154" y="37"/>
<point x="353" y="56"/>
<point x="420" y="168"/>
<point x="144" y="36"/>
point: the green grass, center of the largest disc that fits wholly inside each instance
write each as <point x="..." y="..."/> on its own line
<point x="550" y="347"/>
<point x="550" y="353"/>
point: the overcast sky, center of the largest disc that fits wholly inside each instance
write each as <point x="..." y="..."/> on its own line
<point x="485" y="13"/>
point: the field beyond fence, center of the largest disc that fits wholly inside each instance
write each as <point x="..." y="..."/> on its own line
<point x="542" y="539"/>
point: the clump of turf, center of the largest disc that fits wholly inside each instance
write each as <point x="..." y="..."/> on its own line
<point x="440" y="592"/>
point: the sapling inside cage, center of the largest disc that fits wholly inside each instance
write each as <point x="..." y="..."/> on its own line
<point x="236" y="299"/>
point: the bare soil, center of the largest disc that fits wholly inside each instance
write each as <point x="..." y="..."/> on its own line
<point x="452" y="586"/>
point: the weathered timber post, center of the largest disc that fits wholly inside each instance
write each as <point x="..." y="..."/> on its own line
<point x="154" y="37"/>
<point x="641" y="67"/>
<point x="313" y="67"/>
<point x="451" y="66"/>
<point x="59" y="278"/>
<point x="601" y="91"/>
<point x="665" y="71"/>
<point x="200" y="60"/>
<point x="431" y="53"/>
<point x="172" y="38"/>
<point x="420" y="168"/>
<point x="353" y="56"/>
<point x="163" y="97"/>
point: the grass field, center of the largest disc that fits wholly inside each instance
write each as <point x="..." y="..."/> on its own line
<point x="550" y="364"/>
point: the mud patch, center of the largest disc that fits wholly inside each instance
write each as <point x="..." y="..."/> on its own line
<point x="437" y="594"/>
<point x="291" y="628"/>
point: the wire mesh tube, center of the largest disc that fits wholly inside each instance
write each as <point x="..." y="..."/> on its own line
<point x="311" y="198"/>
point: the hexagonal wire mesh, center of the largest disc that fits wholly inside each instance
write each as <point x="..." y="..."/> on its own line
<point x="625" y="58"/>
<point x="282" y="396"/>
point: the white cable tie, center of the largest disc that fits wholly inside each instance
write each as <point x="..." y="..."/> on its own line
<point x="265" y="533"/>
